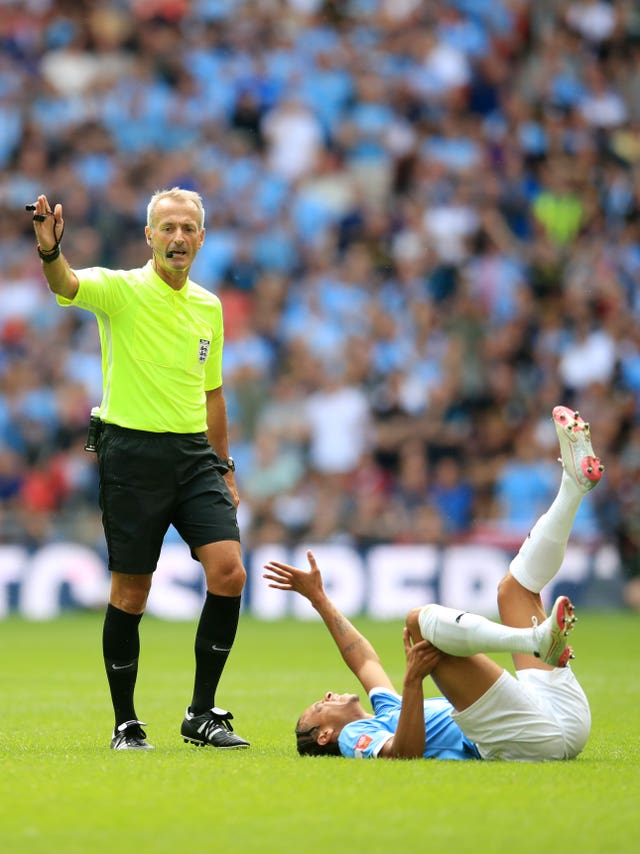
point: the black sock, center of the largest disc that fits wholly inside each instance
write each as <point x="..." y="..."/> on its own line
<point x="214" y="639"/>
<point x="121" y="648"/>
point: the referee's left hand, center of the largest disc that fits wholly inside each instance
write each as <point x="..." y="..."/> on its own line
<point x="230" y="480"/>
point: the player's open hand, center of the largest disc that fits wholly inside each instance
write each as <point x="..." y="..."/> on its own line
<point x="281" y="576"/>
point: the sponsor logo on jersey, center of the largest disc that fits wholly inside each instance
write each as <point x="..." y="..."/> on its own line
<point x="361" y="745"/>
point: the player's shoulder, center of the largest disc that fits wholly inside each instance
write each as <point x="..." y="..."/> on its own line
<point x="384" y="691"/>
<point x="384" y="700"/>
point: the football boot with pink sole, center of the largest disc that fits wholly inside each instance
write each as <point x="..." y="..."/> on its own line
<point x="551" y="635"/>
<point x="577" y="456"/>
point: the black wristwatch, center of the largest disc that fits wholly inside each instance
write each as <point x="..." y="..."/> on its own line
<point x="229" y="463"/>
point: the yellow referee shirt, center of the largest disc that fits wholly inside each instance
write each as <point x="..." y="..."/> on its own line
<point x="161" y="348"/>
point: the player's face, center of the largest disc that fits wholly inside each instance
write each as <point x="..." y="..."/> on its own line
<point x="332" y="709"/>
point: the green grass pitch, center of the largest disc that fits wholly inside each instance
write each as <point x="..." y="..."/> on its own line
<point x="63" y="790"/>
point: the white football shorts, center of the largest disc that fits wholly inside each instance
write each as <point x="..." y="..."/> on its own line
<point x="536" y="716"/>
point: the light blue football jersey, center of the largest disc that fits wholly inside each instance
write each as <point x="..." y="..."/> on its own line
<point x="445" y="740"/>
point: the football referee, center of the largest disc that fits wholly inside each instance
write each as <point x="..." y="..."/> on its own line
<point x="161" y="438"/>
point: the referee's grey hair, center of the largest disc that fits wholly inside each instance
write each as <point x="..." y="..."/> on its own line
<point x="175" y="193"/>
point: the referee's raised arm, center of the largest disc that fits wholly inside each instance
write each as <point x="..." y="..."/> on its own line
<point x="48" y="226"/>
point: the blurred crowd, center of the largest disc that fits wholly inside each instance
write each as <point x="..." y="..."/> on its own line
<point x="423" y="221"/>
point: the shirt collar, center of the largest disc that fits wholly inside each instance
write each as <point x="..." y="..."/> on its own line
<point x="161" y="287"/>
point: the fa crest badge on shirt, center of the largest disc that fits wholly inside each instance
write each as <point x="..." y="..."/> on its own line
<point x="203" y="350"/>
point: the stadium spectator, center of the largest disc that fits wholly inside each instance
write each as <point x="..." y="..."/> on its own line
<point x="452" y="494"/>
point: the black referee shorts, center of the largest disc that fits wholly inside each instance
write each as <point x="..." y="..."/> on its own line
<point x="149" y="481"/>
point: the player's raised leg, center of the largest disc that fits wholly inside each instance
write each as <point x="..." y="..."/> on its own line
<point x="464" y="634"/>
<point x="533" y="639"/>
<point x="542" y="553"/>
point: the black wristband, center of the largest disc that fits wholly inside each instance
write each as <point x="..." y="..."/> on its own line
<point x="50" y="255"/>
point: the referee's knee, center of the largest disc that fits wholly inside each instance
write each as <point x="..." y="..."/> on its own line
<point x="226" y="578"/>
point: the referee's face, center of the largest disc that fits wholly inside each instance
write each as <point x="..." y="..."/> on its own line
<point x="175" y="237"/>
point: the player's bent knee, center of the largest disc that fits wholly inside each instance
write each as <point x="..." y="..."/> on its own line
<point x="414" y="622"/>
<point x="504" y="584"/>
<point x="506" y="587"/>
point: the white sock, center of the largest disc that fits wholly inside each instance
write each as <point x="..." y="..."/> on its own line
<point x="462" y="633"/>
<point x="542" y="553"/>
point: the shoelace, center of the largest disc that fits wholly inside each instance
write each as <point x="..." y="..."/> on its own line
<point x="135" y="733"/>
<point x="132" y="733"/>
<point x="210" y="726"/>
<point x="536" y="634"/>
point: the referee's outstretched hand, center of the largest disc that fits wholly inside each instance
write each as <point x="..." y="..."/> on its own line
<point x="49" y="230"/>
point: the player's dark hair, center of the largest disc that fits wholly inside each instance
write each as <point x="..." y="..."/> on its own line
<point x="307" y="744"/>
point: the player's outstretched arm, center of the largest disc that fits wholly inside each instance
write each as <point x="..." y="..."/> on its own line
<point x="357" y="652"/>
